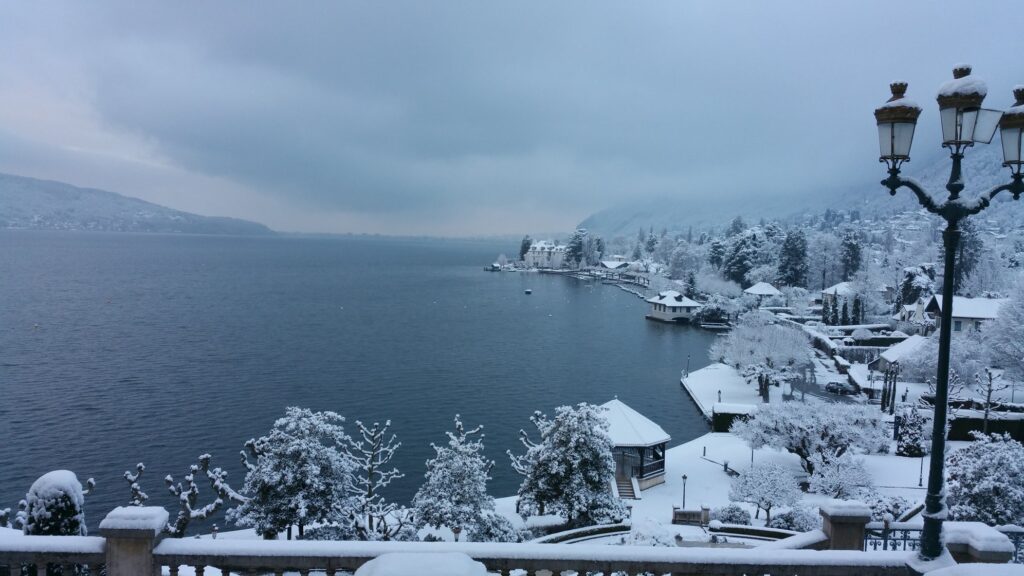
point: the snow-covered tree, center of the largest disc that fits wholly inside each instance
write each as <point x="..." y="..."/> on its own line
<point x="968" y="253"/>
<point x="851" y="255"/>
<point x="912" y="440"/>
<point x="842" y="477"/>
<point x="300" y="473"/>
<point x="569" y="469"/>
<point x="736" y="227"/>
<point x="767" y="485"/>
<point x="454" y="494"/>
<point x="969" y="355"/>
<point x="799" y="519"/>
<point x="188" y="495"/>
<point x="55" y="505"/>
<point x="986" y="481"/>
<point x="887" y="507"/>
<point x="138" y="497"/>
<point x="917" y="282"/>
<point x="373" y="517"/>
<point x="524" y="247"/>
<point x="829" y="430"/>
<point x="741" y="258"/>
<point x="1004" y="336"/>
<point x="793" y="259"/>
<point x="760" y="342"/>
<point x="716" y="254"/>
<point x="575" y="247"/>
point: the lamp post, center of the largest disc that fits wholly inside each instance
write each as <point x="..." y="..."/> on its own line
<point x="964" y="123"/>
<point x="684" y="491"/>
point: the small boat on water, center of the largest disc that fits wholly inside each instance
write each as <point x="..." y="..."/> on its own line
<point x="715" y="326"/>
<point x="527" y="291"/>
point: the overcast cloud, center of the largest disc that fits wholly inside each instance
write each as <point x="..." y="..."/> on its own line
<point x="463" y="118"/>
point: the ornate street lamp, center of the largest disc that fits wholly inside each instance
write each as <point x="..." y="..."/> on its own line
<point x="964" y="122"/>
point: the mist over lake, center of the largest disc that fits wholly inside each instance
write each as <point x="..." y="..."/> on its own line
<point x="120" y="348"/>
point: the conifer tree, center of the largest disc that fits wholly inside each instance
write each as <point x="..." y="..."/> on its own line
<point x="912" y="440"/>
<point x="793" y="260"/>
<point x="569" y="470"/>
<point x="454" y="494"/>
<point x="850" y="255"/>
<point x="858" y="311"/>
<point x="844" y="316"/>
<point x="524" y="247"/>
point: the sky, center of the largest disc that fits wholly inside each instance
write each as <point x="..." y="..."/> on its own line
<point x="466" y="118"/>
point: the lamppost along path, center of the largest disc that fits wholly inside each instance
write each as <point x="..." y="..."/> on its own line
<point x="964" y="123"/>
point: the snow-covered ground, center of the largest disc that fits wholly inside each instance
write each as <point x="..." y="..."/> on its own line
<point x="719" y="383"/>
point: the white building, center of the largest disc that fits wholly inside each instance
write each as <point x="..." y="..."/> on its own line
<point x="968" y="313"/>
<point x="671" y="306"/>
<point x="762" y="289"/>
<point x="544" y="254"/>
<point x="897" y="352"/>
<point x="638" y="448"/>
<point x="838" y="293"/>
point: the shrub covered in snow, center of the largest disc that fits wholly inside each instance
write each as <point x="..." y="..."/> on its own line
<point x="493" y="527"/>
<point x="568" y="470"/>
<point x="767" y="485"/>
<point x="986" y="481"/>
<point x="799" y="519"/>
<point x="888" y="507"/>
<point x="731" y="514"/>
<point x="647" y="532"/>
<point x="55" y="505"/>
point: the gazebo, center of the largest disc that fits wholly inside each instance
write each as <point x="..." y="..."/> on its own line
<point x="639" y="446"/>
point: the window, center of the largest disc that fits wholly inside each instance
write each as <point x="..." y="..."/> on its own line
<point x="957" y="325"/>
<point x="977" y="324"/>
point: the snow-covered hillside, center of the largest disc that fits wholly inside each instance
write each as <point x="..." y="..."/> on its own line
<point x="28" y="203"/>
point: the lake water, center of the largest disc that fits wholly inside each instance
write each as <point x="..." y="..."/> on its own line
<point x="119" y="348"/>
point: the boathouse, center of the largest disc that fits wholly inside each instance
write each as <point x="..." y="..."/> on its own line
<point x="639" y="448"/>
<point x="671" y="306"/>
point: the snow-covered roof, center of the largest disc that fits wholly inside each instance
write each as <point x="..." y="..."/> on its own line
<point x="673" y="298"/>
<point x="966" y="85"/>
<point x="979" y="308"/>
<point x="841" y="289"/>
<point x="899" y="351"/>
<point x="763" y="289"/>
<point x="613" y="264"/>
<point x="627" y="427"/>
<point x="545" y="246"/>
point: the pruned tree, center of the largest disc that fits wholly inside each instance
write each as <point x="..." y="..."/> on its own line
<point x="829" y="431"/>
<point x="793" y="259"/>
<point x="768" y="485"/>
<point x="759" y="344"/>
<point x="373" y="517"/>
<point x="569" y="469"/>
<point x="986" y="481"/>
<point x="187" y="494"/>
<point x="299" y="473"/>
<point x="138" y="497"/>
<point x="454" y="494"/>
<point x="55" y="505"/>
<point x="986" y="385"/>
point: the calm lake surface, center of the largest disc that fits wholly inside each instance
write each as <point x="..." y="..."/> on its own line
<point x="120" y="348"/>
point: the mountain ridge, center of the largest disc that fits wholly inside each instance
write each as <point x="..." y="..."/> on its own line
<point x="35" y="204"/>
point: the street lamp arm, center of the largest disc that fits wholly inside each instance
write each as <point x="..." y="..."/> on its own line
<point x="1015" y="187"/>
<point x="894" y="182"/>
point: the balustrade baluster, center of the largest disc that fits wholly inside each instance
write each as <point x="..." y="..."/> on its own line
<point x="200" y="569"/>
<point x="174" y="569"/>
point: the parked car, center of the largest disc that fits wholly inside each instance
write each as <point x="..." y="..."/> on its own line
<point x="841" y="388"/>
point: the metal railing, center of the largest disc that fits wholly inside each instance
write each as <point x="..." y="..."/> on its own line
<point x="886" y="536"/>
<point x="649" y="469"/>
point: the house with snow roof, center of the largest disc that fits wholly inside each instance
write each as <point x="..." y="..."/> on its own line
<point x="544" y="254"/>
<point x="897" y="353"/>
<point x="968" y="313"/>
<point x="762" y="289"/>
<point x="838" y="293"/>
<point x="672" y="306"/>
<point x="638" y="448"/>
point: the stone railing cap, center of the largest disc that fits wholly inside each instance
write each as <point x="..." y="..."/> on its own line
<point x="134" y="520"/>
<point x="849" y="508"/>
<point x="977" y="536"/>
<point x="414" y="564"/>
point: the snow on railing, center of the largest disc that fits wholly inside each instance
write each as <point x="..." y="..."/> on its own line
<point x="246" y="557"/>
<point x="47" y="553"/>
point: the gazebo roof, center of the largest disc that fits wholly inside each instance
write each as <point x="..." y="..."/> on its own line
<point x="627" y="427"/>
<point x="763" y="289"/>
